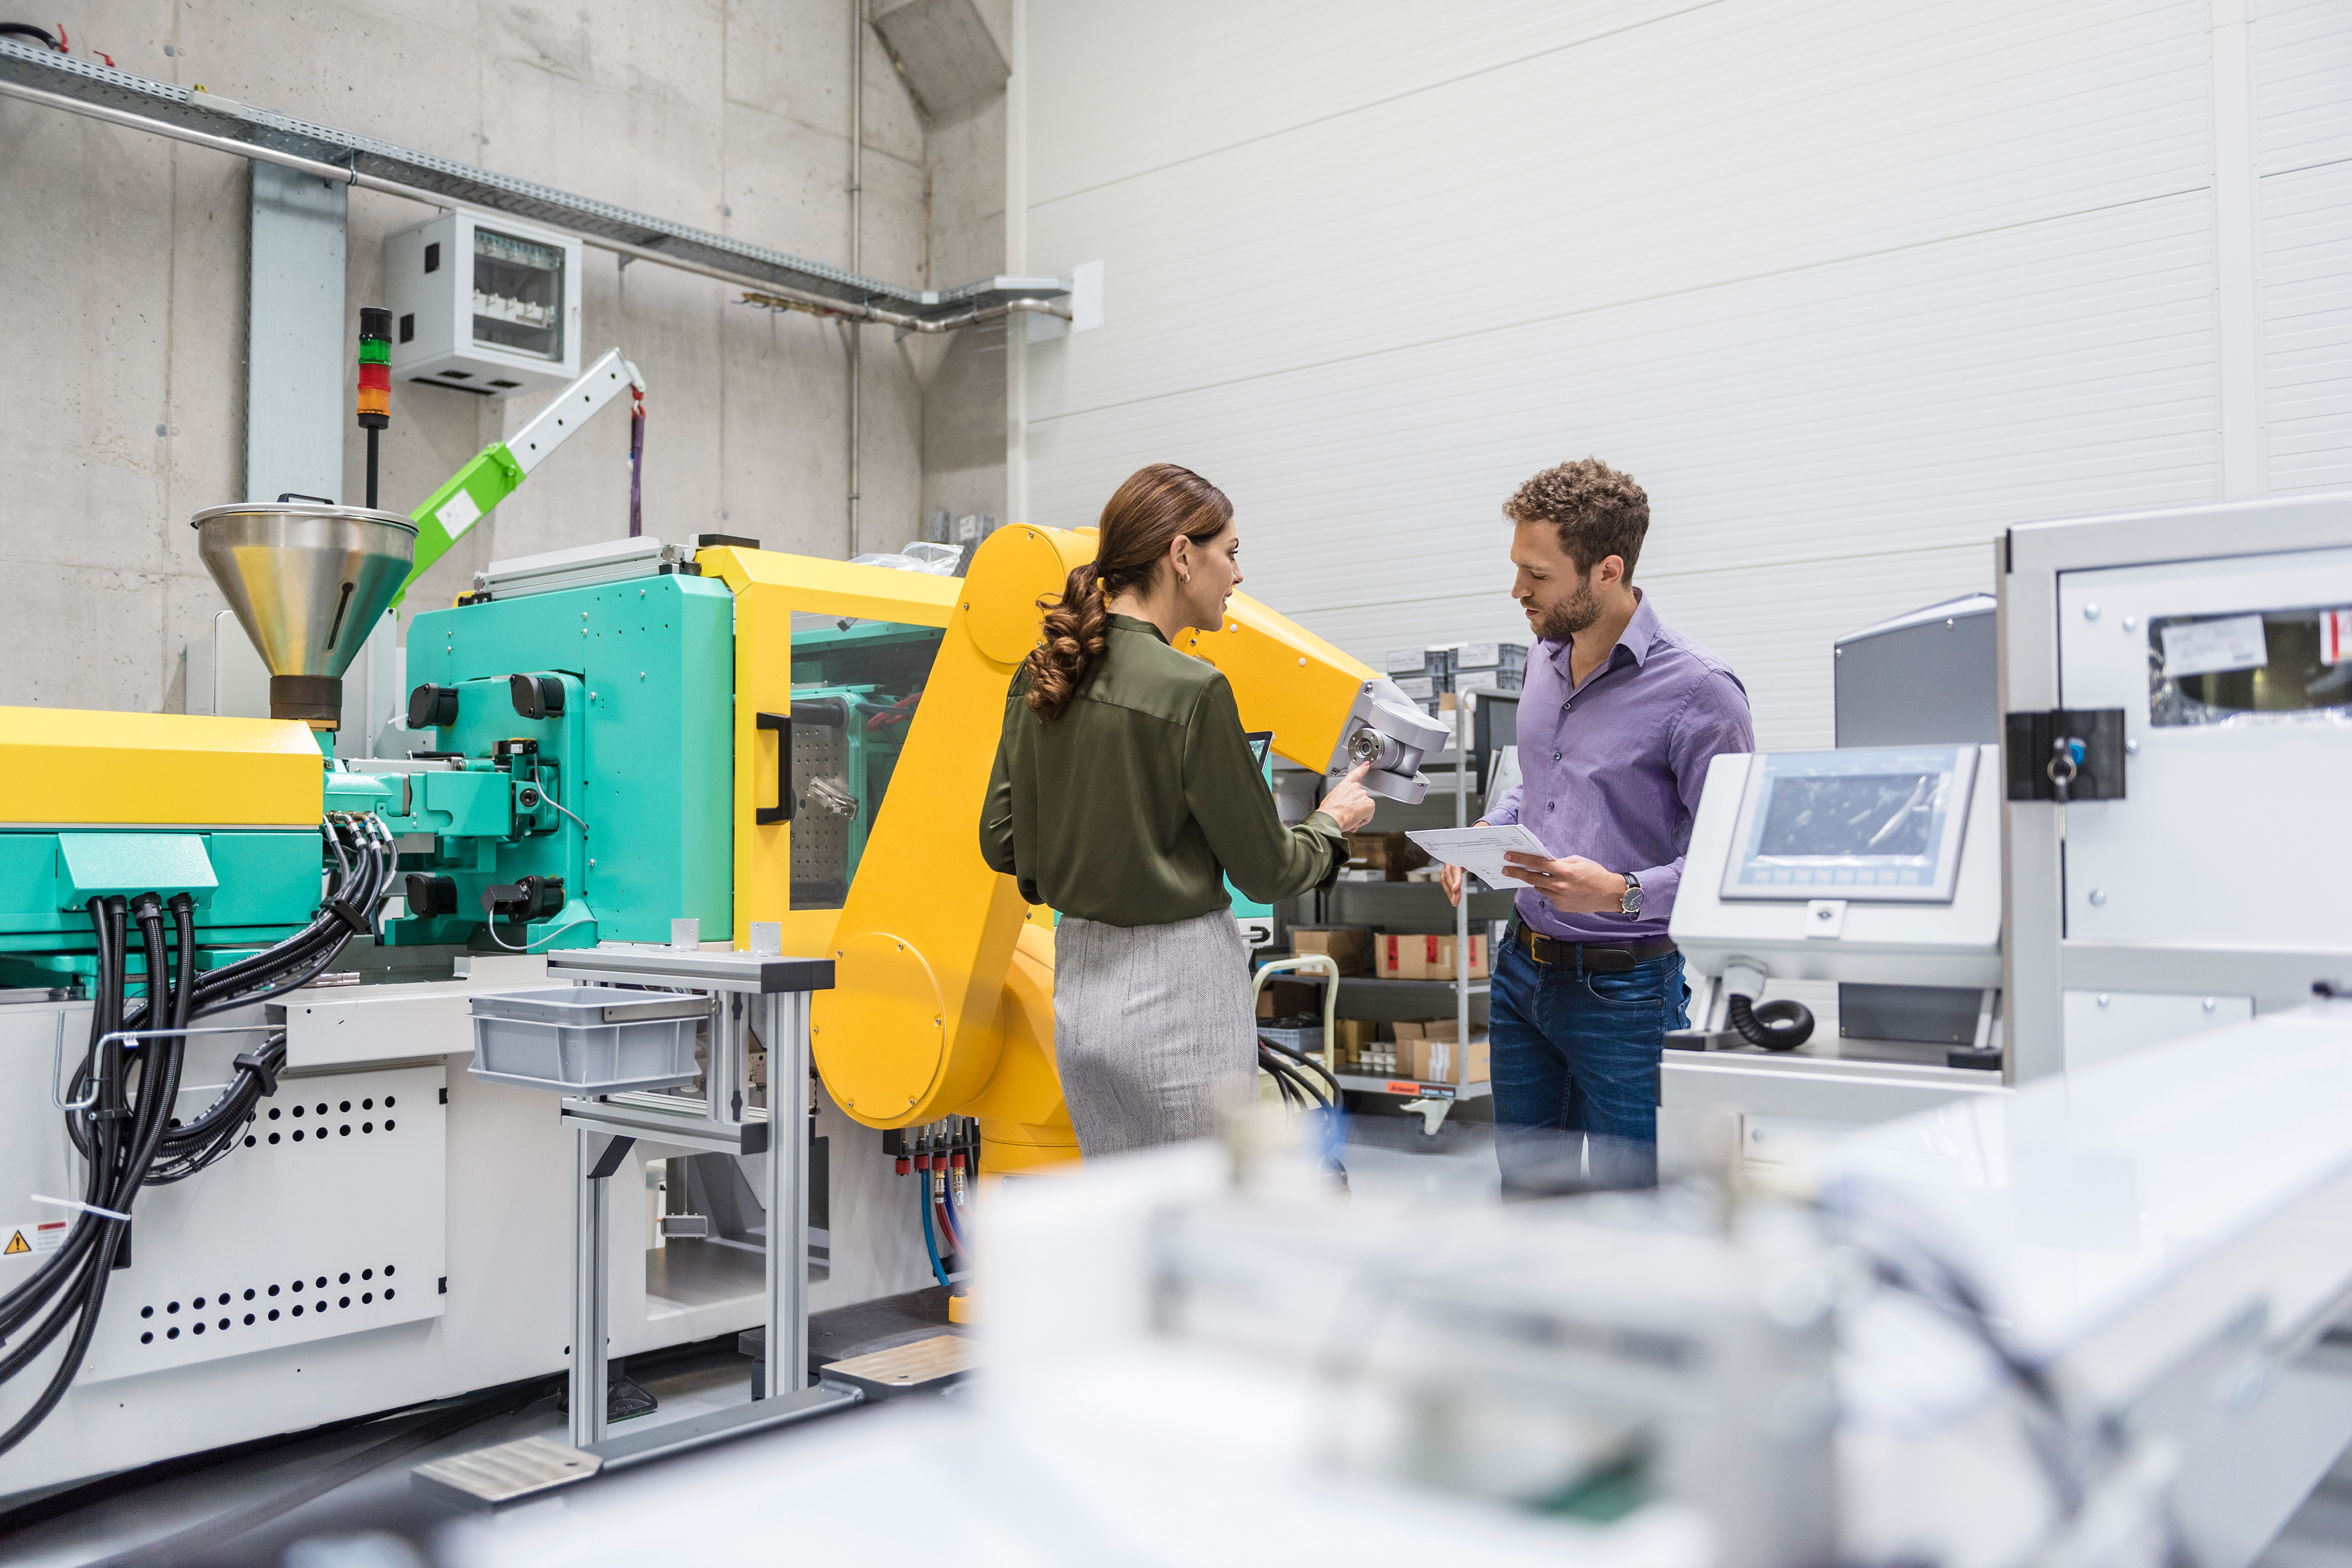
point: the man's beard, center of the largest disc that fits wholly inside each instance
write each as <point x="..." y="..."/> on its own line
<point x="1570" y="616"/>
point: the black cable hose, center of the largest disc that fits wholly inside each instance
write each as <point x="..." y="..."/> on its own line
<point x="1776" y="1026"/>
<point x="1274" y="1067"/>
<point x="1297" y="1089"/>
<point x="1288" y="1091"/>
<point x="1302" y="1059"/>
<point x="294" y="963"/>
<point x="125" y="1135"/>
<point x="84" y="1295"/>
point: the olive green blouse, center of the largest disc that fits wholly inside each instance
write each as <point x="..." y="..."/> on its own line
<point x="1134" y="806"/>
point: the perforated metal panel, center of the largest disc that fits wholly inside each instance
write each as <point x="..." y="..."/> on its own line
<point x="820" y="837"/>
<point x="328" y="1221"/>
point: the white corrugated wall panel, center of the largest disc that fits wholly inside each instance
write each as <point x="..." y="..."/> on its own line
<point x="2302" y="83"/>
<point x="2302" y="139"/>
<point x="1586" y="177"/>
<point x="1847" y="286"/>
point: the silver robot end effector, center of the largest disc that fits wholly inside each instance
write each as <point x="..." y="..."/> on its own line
<point x="1387" y="730"/>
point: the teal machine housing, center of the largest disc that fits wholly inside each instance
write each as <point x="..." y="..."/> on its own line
<point x="581" y="774"/>
<point x="601" y="813"/>
<point x="252" y="888"/>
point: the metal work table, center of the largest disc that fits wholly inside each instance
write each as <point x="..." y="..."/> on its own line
<point x="752" y="993"/>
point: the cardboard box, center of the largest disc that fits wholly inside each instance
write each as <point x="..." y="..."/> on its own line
<point x="1391" y="853"/>
<point x="1289" y="998"/>
<point x="1432" y="1029"/>
<point x="1432" y="1061"/>
<point x="1428" y="957"/>
<point x="1353" y="1034"/>
<point x="1349" y="946"/>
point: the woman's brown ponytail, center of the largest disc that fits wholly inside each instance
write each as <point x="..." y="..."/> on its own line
<point x="1077" y="632"/>
<point x="1142" y="519"/>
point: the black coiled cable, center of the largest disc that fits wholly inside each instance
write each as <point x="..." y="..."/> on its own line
<point x="1776" y="1026"/>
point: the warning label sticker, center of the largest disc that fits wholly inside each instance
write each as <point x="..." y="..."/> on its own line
<point x="43" y="1236"/>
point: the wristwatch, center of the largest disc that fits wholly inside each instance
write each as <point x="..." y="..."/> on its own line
<point x="1631" y="904"/>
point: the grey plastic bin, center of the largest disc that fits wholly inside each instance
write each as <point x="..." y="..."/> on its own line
<point x="587" y="1039"/>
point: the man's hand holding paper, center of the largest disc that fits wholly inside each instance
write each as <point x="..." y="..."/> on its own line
<point x="1483" y="850"/>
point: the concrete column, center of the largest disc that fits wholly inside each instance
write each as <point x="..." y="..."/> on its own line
<point x="299" y="375"/>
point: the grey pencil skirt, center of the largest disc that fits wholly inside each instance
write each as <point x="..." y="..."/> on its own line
<point x="1153" y="1032"/>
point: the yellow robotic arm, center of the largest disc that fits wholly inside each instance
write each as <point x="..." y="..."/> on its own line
<point x="943" y="1000"/>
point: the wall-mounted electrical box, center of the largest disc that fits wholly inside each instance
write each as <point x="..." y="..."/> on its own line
<point x="483" y="305"/>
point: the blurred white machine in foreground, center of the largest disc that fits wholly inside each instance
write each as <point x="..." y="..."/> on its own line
<point x="2043" y="1328"/>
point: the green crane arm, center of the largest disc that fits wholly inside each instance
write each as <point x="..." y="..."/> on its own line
<point x="499" y="468"/>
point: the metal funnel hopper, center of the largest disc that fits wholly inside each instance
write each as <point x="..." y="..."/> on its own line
<point x="307" y="582"/>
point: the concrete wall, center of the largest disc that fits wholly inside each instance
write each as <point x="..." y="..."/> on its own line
<point x="963" y="388"/>
<point x="126" y="255"/>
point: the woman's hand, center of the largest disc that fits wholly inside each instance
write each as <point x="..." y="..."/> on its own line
<point x="1348" y="803"/>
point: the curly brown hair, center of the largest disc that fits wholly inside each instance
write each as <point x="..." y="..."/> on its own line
<point x="1142" y="518"/>
<point x="1599" y="511"/>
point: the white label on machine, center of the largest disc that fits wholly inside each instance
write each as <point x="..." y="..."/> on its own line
<point x="2209" y="647"/>
<point x="34" y="1237"/>
<point x="2335" y="636"/>
<point x="457" y="514"/>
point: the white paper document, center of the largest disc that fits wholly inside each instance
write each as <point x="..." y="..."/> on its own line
<point x="1480" y="850"/>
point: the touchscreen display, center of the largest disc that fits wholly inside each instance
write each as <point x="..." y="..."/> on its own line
<point x="1870" y="822"/>
<point x="1866" y="814"/>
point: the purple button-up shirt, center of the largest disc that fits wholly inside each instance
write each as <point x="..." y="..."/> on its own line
<point x="1611" y="770"/>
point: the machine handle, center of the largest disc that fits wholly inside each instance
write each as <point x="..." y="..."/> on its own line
<point x="783" y="810"/>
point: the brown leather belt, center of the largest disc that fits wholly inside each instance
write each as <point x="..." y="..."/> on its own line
<point x="1607" y="958"/>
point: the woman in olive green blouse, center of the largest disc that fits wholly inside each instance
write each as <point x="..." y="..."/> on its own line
<point x="1124" y="794"/>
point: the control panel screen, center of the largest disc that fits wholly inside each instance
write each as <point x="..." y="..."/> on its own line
<point x="1880" y="824"/>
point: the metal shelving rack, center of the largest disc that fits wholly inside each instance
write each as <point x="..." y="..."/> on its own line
<point x="1433" y="1101"/>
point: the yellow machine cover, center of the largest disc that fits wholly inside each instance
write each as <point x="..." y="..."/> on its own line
<point x="61" y="765"/>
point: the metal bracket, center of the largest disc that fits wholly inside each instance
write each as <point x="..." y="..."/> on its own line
<point x="616" y="1149"/>
<point x="2065" y="754"/>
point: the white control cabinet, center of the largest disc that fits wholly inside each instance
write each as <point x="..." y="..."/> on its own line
<point x="483" y="305"/>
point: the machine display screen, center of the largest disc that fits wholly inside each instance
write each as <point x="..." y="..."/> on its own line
<point x="1868" y="823"/>
<point x="1850" y="815"/>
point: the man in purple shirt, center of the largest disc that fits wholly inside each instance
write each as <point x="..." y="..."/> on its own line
<point x="1618" y="721"/>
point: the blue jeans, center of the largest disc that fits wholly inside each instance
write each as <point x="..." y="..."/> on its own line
<point x="1575" y="1062"/>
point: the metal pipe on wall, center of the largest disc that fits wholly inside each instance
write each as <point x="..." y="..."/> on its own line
<point x="760" y="291"/>
<point x="857" y="233"/>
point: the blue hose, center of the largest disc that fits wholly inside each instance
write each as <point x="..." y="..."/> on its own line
<point x="931" y="1241"/>
<point x="953" y="1217"/>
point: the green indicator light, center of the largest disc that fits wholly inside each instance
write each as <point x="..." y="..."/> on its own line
<point x="374" y="350"/>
